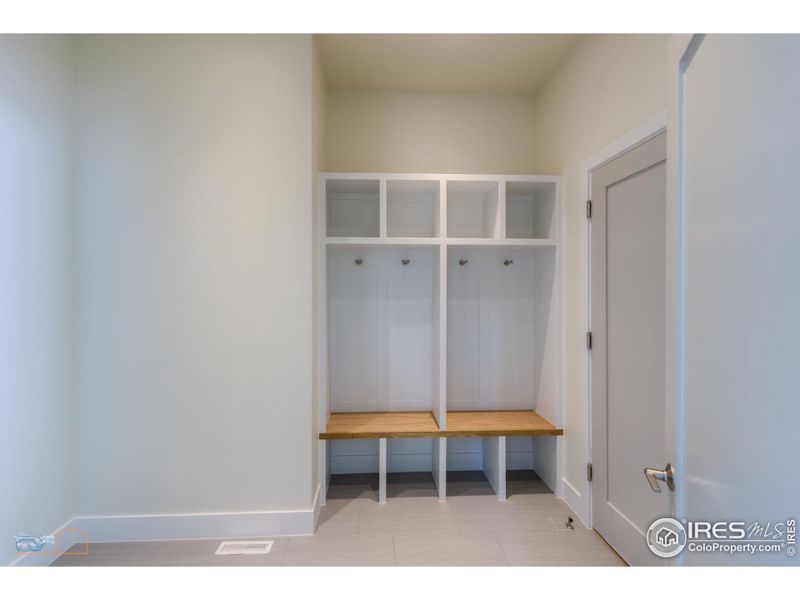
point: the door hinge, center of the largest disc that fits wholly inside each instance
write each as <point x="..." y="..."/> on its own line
<point x="589" y="472"/>
<point x="588" y="209"/>
<point x="588" y="340"/>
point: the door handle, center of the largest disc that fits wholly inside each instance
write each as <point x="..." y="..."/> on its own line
<point x="667" y="475"/>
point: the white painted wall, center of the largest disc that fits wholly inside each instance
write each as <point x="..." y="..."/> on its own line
<point x="429" y="132"/>
<point x="194" y="290"/>
<point x="608" y="85"/>
<point x="37" y="425"/>
<point x="741" y="285"/>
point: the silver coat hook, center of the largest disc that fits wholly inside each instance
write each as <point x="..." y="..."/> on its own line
<point x="508" y="261"/>
<point x="462" y="261"/>
<point x="359" y="261"/>
<point x="405" y="261"/>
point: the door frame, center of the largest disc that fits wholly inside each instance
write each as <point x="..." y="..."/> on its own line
<point x="655" y="125"/>
<point x="682" y="49"/>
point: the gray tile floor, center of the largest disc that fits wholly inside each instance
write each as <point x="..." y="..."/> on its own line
<point x="412" y="528"/>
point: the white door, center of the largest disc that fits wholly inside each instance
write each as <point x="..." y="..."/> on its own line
<point x="628" y="296"/>
<point x="736" y="103"/>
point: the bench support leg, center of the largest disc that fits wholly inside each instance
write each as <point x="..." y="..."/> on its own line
<point x="440" y="467"/>
<point x="494" y="464"/>
<point x="382" y="471"/>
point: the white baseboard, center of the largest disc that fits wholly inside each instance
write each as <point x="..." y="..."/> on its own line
<point x="576" y="502"/>
<point x="140" y="528"/>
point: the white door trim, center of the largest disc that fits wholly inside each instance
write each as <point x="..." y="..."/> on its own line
<point x="682" y="49"/>
<point x="647" y="130"/>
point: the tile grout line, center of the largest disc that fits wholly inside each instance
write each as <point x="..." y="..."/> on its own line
<point x="358" y="519"/>
<point x="502" y="550"/>
<point x="448" y="508"/>
<point x="173" y="554"/>
<point x="285" y="552"/>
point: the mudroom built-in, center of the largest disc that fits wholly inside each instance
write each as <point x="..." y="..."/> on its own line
<point x="441" y="326"/>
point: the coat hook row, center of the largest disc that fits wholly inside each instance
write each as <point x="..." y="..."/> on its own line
<point x="461" y="261"/>
<point x="506" y="262"/>
<point x="360" y="261"/>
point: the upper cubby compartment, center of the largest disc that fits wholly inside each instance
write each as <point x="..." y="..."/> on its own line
<point x="413" y="208"/>
<point x="353" y="207"/>
<point x="472" y="208"/>
<point x="530" y="209"/>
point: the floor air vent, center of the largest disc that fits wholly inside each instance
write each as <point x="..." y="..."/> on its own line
<point x="245" y="547"/>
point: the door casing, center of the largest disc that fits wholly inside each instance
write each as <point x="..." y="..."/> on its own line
<point x="657" y="124"/>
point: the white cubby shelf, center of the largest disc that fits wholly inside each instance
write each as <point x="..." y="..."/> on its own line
<point x="440" y="319"/>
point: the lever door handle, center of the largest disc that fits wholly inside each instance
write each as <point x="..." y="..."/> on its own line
<point x="667" y="475"/>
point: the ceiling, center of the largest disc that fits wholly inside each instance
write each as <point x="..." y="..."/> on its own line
<point x="441" y="62"/>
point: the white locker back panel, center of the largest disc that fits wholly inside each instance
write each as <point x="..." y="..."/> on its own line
<point x="381" y="329"/>
<point x="499" y="341"/>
